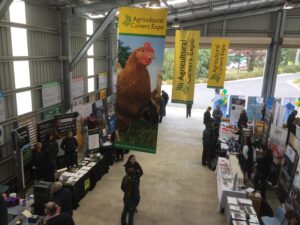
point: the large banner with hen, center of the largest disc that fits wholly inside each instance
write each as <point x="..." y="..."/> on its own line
<point x="140" y="62"/>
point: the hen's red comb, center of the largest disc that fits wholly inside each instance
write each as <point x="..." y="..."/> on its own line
<point x="147" y="45"/>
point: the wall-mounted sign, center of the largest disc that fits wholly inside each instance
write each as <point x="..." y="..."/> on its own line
<point x="51" y="94"/>
<point x="2" y="107"/>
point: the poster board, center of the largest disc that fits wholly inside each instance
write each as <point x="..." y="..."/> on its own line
<point x="64" y="123"/>
<point x="277" y="140"/>
<point x="22" y="147"/>
<point x="237" y="106"/>
<point x="102" y="80"/>
<point x="51" y="93"/>
<point x="2" y="107"/>
<point x="77" y="87"/>
<point x="93" y="139"/>
<point x="254" y="108"/>
<point x="43" y="129"/>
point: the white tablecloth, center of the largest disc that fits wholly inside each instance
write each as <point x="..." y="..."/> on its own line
<point x="225" y="190"/>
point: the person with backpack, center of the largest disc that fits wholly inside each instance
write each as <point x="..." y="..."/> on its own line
<point x="131" y="197"/>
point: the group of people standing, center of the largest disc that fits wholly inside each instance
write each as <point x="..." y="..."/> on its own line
<point x="211" y="135"/>
<point x="131" y="189"/>
<point x="45" y="156"/>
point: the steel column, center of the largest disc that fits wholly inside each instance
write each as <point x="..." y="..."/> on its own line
<point x="4" y="6"/>
<point x="273" y="55"/>
<point x="110" y="57"/>
<point x="66" y="52"/>
<point x="93" y="38"/>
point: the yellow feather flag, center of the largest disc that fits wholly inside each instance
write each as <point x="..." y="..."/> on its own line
<point x="218" y="61"/>
<point x="185" y="63"/>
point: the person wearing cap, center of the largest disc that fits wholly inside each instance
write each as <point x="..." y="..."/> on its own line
<point x="3" y="206"/>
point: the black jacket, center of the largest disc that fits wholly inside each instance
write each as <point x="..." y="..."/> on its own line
<point x="207" y="118"/>
<point x="165" y="96"/>
<point x="52" y="146"/>
<point x="63" y="198"/>
<point x="290" y="123"/>
<point x="46" y="167"/>
<point x="69" y="145"/>
<point x="131" y="191"/>
<point x="61" y="219"/>
<point x="138" y="169"/>
<point x="3" y="211"/>
<point x="243" y="120"/>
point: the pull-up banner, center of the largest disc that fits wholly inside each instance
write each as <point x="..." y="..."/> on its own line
<point x="218" y="61"/>
<point x="186" y="57"/>
<point x="140" y="60"/>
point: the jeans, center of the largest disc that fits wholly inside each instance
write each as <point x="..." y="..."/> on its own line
<point x="70" y="158"/>
<point x="130" y="211"/>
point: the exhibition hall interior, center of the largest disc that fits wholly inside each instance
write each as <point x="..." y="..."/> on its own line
<point x="149" y="112"/>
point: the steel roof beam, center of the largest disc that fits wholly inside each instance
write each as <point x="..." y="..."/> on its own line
<point x="110" y="16"/>
<point x="229" y="16"/>
<point x="4" y="6"/>
<point x="186" y="14"/>
<point x="105" y="5"/>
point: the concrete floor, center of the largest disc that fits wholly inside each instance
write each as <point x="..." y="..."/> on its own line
<point x="175" y="189"/>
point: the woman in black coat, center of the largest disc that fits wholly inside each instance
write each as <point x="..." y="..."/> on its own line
<point x="132" y="163"/>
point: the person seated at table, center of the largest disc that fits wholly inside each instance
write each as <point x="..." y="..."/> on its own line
<point x="291" y="218"/>
<point x="62" y="196"/>
<point x="3" y="205"/>
<point x="70" y="145"/>
<point x="242" y="123"/>
<point x="53" y="217"/>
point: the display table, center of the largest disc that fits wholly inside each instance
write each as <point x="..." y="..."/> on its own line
<point x="25" y="220"/>
<point x="227" y="182"/>
<point x="240" y="211"/>
<point x="84" y="177"/>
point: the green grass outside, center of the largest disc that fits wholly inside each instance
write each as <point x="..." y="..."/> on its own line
<point x="233" y="75"/>
<point x="297" y="82"/>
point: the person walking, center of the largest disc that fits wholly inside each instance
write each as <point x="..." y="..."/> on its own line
<point x="248" y="158"/>
<point x="242" y="123"/>
<point x="189" y="109"/>
<point x="132" y="163"/>
<point x="217" y="115"/>
<point x="165" y="96"/>
<point x="207" y="117"/>
<point x="291" y="124"/>
<point x="69" y="145"/>
<point x="131" y="196"/>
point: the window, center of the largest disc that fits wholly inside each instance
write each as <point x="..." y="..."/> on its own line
<point x="24" y="102"/>
<point x="22" y="76"/>
<point x="19" y="41"/>
<point x="17" y="12"/>
<point x="91" y="84"/>
<point x="91" y="50"/>
<point x="90" y="65"/>
<point x="89" y="27"/>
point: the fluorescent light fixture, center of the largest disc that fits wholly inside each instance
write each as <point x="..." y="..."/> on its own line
<point x="288" y="5"/>
<point x="176" y="23"/>
<point x="155" y="4"/>
<point x="175" y="2"/>
<point x="97" y="16"/>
